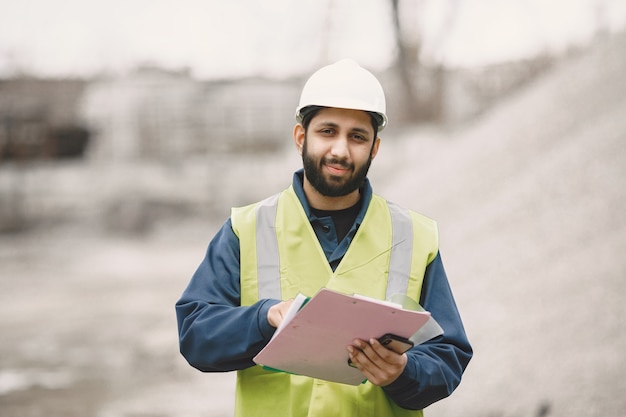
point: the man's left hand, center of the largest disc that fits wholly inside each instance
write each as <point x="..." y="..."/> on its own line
<point x="380" y="365"/>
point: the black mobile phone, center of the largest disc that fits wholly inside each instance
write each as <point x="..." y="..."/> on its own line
<point x="396" y="343"/>
<point x="392" y="342"/>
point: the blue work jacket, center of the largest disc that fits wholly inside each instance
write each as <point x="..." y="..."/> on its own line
<point x="217" y="334"/>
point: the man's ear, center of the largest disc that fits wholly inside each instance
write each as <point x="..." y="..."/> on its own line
<point x="375" y="147"/>
<point x="298" y="137"/>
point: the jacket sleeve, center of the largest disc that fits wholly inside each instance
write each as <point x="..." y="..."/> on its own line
<point x="216" y="334"/>
<point x="434" y="368"/>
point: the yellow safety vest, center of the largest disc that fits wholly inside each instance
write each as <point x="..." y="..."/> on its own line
<point x="281" y="257"/>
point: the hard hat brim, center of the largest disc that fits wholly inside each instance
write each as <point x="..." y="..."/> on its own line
<point x="353" y="105"/>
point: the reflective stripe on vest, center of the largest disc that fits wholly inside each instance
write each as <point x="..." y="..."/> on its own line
<point x="401" y="254"/>
<point x="267" y="249"/>
<point x="268" y="261"/>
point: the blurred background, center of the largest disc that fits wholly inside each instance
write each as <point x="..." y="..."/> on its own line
<point x="129" y="129"/>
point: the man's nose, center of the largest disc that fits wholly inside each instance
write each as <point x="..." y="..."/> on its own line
<point x="340" y="147"/>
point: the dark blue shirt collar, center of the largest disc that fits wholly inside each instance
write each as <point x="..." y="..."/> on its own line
<point x="365" y="191"/>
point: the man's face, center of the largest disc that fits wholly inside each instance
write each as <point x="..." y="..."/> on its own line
<point x="338" y="148"/>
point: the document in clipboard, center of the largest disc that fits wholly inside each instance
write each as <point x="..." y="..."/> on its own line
<point x="312" y="339"/>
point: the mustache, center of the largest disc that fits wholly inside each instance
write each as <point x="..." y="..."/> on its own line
<point x="334" y="161"/>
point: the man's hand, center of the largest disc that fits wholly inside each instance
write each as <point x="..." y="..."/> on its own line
<point x="276" y="313"/>
<point x="378" y="364"/>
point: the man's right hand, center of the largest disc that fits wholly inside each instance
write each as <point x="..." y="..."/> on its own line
<point x="277" y="312"/>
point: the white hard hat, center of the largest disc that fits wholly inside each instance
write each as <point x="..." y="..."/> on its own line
<point x="344" y="85"/>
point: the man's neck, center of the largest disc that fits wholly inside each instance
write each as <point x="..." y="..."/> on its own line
<point x="322" y="202"/>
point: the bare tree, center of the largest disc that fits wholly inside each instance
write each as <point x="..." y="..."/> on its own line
<point x="421" y="104"/>
<point x="437" y="101"/>
<point x="404" y="67"/>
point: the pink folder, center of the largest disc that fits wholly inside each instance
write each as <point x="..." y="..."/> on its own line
<point x="314" y="342"/>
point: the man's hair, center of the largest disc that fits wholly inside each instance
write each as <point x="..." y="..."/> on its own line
<point x="309" y="112"/>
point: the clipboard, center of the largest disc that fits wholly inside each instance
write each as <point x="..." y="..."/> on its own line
<point x="313" y="343"/>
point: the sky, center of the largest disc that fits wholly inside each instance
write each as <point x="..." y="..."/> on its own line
<point x="278" y="38"/>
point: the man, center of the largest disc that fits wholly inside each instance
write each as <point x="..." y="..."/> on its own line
<point x="327" y="230"/>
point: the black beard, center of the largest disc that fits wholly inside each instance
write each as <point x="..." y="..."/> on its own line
<point x="332" y="187"/>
